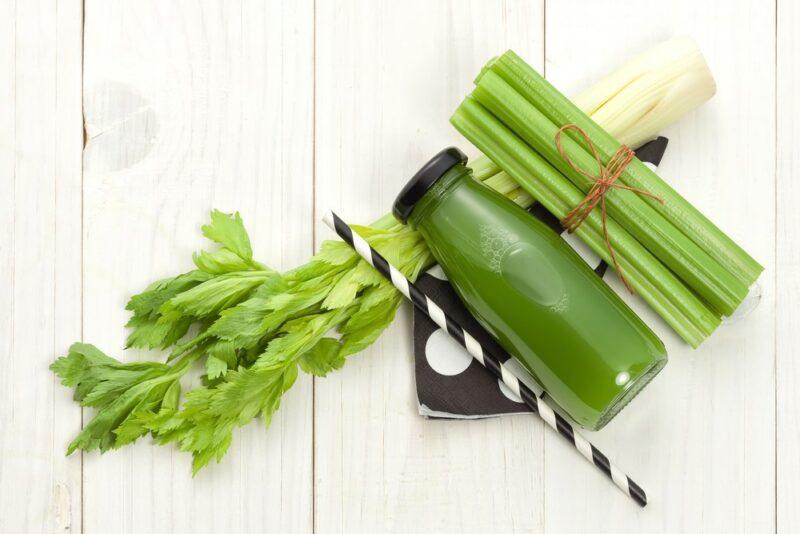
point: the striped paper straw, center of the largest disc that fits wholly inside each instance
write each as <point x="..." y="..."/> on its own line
<point x="484" y="355"/>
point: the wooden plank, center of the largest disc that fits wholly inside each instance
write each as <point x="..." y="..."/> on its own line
<point x="193" y="106"/>
<point x="41" y="139"/>
<point x="389" y="74"/>
<point x="701" y="436"/>
<point x="787" y="266"/>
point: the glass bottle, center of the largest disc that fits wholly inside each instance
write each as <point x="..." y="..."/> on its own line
<point x="532" y="292"/>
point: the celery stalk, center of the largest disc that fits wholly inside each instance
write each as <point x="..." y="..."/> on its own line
<point x="521" y="198"/>
<point x="679" y="307"/>
<point x="560" y="110"/>
<point x="501" y="182"/>
<point x="483" y="168"/>
<point x="723" y="291"/>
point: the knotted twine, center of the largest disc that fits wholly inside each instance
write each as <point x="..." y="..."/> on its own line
<point x="605" y="179"/>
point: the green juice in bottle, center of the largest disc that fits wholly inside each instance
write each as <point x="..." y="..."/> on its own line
<point x="532" y="292"/>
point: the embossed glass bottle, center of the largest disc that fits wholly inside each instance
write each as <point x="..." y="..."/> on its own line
<point x="532" y="292"/>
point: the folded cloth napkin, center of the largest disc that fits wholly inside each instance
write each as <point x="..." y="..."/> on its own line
<point x="450" y="384"/>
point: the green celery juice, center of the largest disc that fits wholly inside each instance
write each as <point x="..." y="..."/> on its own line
<point x="532" y="292"/>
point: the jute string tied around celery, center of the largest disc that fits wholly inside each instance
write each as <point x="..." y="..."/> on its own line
<point x="605" y="179"/>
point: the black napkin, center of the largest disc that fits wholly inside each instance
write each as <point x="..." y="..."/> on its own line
<point x="450" y="384"/>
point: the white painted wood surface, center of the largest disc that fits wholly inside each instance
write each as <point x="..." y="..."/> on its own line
<point x="787" y="268"/>
<point x="40" y="261"/>
<point x="284" y="109"/>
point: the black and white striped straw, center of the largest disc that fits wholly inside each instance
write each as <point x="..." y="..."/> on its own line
<point x="484" y="355"/>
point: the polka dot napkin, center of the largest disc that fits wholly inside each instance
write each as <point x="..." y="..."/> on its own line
<point x="450" y="384"/>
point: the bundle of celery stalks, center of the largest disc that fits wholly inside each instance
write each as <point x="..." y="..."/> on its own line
<point x="686" y="268"/>
<point x="252" y="329"/>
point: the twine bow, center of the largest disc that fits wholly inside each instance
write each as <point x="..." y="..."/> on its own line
<point x="605" y="179"/>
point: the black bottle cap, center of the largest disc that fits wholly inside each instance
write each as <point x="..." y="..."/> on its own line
<point x="424" y="179"/>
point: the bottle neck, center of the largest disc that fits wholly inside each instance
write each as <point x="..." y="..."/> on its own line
<point x="436" y="194"/>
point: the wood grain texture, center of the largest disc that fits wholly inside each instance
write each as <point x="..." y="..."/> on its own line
<point x="787" y="270"/>
<point x="192" y="106"/>
<point x="700" y="438"/>
<point x="40" y="261"/>
<point x="389" y="75"/>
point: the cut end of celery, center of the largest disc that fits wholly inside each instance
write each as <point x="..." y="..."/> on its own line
<point x="750" y="303"/>
<point x="650" y="92"/>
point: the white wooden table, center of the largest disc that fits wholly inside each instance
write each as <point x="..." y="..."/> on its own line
<point x="123" y="123"/>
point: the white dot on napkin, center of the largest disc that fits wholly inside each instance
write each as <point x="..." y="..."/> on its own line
<point x="445" y="355"/>
<point x="508" y="393"/>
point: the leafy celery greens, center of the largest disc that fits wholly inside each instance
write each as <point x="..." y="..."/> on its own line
<point x="252" y="327"/>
